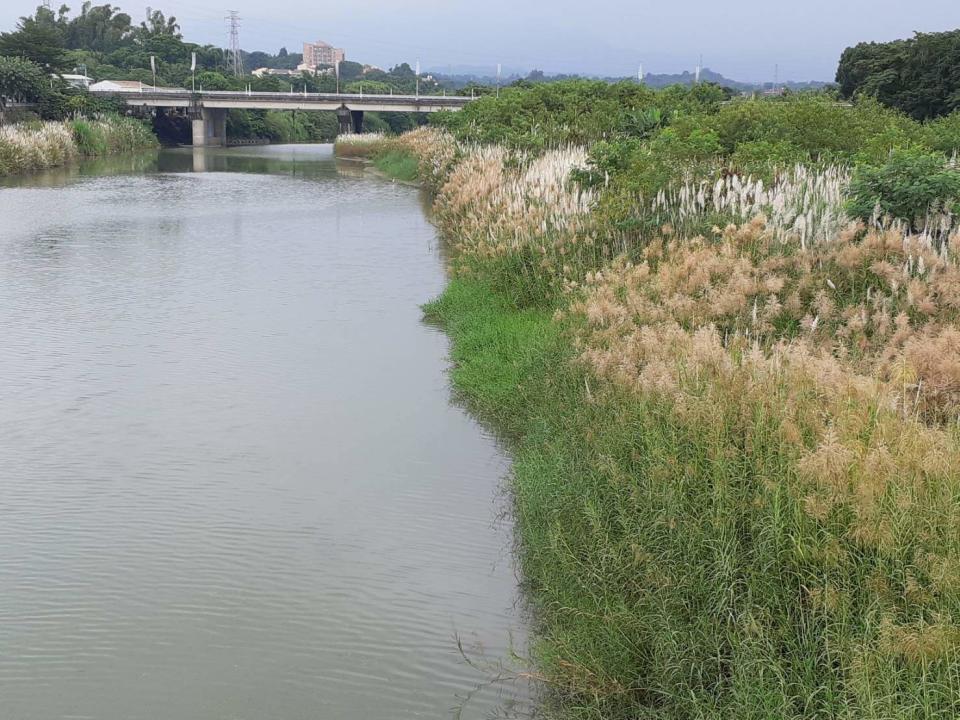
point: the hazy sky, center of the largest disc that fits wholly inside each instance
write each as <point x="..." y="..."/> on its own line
<point x="743" y="39"/>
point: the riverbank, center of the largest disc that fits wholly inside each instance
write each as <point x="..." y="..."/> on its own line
<point x="36" y="146"/>
<point x="388" y="156"/>
<point x="734" y="460"/>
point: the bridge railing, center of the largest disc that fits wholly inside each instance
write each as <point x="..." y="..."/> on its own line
<point x="280" y="96"/>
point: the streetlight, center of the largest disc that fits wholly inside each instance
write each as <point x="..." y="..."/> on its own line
<point x="418" y="77"/>
<point x="499" y="71"/>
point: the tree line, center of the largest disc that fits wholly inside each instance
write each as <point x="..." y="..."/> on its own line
<point x="919" y="76"/>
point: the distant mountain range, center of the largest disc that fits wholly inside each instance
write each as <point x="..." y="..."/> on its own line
<point x="485" y="75"/>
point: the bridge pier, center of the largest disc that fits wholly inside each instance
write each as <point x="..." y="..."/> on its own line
<point x="210" y="128"/>
<point x="357" y="120"/>
<point x="345" y="118"/>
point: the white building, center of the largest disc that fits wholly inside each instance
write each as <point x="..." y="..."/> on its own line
<point x="77" y="81"/>
<point x="261" y="72"/>
<point x="120" y="86"/>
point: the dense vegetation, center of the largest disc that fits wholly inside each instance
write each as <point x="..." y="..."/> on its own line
<point x="919" y="76"/>
<point x="722" y="340"/>
<point x="104" y="43"/>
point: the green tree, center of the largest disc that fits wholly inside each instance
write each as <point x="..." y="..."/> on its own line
<point x="158" y="25"/>
<point x="350" y="70"/>
<point x="214" y="81"/>
<point x="39" y="38"/>
<point x="20" y="79"/>
<point x="101" y="28"/>
<point x="920" y="76"/>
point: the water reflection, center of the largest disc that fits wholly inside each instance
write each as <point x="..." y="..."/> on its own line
<point x="134" y="163"/>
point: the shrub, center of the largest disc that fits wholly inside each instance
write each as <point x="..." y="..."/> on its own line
<point x="909" y="186"/>
<point x="20" y="79"/>
<point x="763" y="158"/>
<point x="943" y="134"/>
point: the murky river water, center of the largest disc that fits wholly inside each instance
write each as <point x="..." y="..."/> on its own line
<point x="233" y="483"/>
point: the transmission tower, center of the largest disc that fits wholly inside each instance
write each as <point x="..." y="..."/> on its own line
<point x="235" y="60"/>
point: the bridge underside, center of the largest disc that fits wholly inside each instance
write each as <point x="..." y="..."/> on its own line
<point x="210" y="125"/>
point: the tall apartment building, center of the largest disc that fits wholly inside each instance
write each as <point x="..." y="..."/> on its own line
<point x="321" y="53"/>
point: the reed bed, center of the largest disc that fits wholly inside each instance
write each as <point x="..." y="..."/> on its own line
<point x="39" y="145"/>
<point x="434" y="150"/>
<point x="35" y="146"/>
<point x="803" y="205"/>
<point x="736" y="451"/>
<point x="358" y="145"/>
<point x="824" y="388"/>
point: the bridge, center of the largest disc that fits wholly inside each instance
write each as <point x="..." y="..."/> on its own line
<point x="208" y="109"/>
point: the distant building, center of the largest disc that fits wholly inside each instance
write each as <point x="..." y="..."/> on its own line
<point x="120" y="86"/>
<point x="131" y="86"/>
<point x="321" y="53"/>
<point x="282" y="72"/>
<point x="322" y="70"/>
<point x="77" y="81"/>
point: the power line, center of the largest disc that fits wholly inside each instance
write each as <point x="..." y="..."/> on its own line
<point x="236" y="60"/>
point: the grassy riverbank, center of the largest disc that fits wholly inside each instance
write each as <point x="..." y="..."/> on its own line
<point x="38" y="145"/>
<point x="389" y="155"/>
<point x="732" y="398"/>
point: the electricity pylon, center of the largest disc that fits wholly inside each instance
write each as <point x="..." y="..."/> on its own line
<point x="235" y="60"/>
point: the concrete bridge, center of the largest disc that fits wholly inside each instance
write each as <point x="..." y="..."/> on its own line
<point x="208" y="109"/>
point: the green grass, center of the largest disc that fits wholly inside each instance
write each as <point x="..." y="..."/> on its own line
<point x="666" y="560"/>
<point x="398" y="165"/>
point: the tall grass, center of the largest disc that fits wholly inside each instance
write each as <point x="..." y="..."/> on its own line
<point x="358" y="145"/>
<point x="398" y="165"/>
<point x="736" y="454"/>
<point x="435" y="151"/>
<point x="35" y="146"/>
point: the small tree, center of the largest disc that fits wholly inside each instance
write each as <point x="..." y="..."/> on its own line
<point x="20" y="80"/>
<point x="909" y="185"/>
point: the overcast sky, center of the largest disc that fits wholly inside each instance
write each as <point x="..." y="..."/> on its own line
<point x="742" y="39"/>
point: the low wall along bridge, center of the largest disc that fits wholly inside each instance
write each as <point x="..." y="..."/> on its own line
<point x="208" y="110"/>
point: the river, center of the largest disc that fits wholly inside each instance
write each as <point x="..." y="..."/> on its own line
<point x="234" y="482"/>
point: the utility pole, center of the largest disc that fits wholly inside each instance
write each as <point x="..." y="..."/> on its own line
<point x="499" y="72"/>
<point x="236" y="60"/>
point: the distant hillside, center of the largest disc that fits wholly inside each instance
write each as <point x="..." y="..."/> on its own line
<point x="459" y="76"/>
<point x="707" y="75"/>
